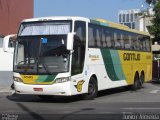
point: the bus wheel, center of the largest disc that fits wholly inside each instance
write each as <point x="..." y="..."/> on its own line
<point x="141" y="79"/>
<point x="136" y="84"/>
<point x="45" y="97"/>
<point x="92" y="89"/>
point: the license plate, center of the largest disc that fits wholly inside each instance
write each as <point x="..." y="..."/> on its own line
<point x="38" y="89"/>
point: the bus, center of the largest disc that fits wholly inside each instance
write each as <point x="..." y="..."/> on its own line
<point x="68" y="56"/>
<point x="6" y="55"/>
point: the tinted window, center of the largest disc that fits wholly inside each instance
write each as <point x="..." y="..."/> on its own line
<point x="127" y="41"/>
<point x="79" y="48"/>
<point x="107" y="37"/>
<point x="117" y="39"/>
<point x="148" y="44"/>
<point x="11" y="42"/>
<point x="95" y="36"/>
<point x="1" y="42"/>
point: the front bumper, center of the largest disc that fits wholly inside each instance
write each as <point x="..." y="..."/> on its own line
<point x="62" y="89"/>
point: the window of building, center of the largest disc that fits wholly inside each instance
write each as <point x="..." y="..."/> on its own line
<point x="120" y="19"/>
<point x="127" y="17"/>
<point x="133" y="25"/>
<point x="132" y="17"/>
<point x="123" y="18"/>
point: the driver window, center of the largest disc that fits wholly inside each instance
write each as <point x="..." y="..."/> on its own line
<point x="79" y="46"/>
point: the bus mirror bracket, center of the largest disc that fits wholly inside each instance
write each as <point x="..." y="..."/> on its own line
<point x="70" y="40"/>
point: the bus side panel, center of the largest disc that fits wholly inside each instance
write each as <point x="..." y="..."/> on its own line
<point x="133" y="62"/>
<point x="106" y="65"/>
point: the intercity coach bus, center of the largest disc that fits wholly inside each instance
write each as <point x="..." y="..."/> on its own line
<point x="75" y="55"/>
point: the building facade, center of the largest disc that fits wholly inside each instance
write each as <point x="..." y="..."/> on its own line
<point x="12" y="12"/>
<point x="136" y="18"/>
<point x="128" y="17"/>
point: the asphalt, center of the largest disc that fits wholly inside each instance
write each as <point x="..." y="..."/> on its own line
<point x="117" y="104"/>
<point x="113" y="104"/>
<point x="6" y="81"/>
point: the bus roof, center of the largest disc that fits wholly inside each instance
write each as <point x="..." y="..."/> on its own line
<point x="117" y="26"/>
<point x="56" y="18"/>
<point x="95" y="21"/>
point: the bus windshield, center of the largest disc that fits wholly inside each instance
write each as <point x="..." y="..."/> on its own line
<point x="43" y="53"/>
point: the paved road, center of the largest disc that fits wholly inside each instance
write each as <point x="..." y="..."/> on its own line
<point x="6" y="78"/>
<point x="118" y="104"/>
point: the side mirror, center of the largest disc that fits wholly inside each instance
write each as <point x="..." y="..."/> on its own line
<point x="9" y="39"/>
<point x="70" y="40"/>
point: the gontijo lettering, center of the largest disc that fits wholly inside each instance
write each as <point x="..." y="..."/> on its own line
<point x="131" y="57"/>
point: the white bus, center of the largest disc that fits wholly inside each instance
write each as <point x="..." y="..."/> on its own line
<point x="6" y="60"/>
<point x="75" y="55"/>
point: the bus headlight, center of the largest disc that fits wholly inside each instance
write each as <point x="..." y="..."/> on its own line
<point x="61" y="80"/>
<point x="17" y="79"/>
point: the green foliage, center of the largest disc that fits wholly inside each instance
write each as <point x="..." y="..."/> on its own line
<point x="155" y="28"/>
<point x="151" y="2"/>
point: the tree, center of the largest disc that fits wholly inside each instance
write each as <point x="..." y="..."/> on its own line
<point x="151" y="2"/>
<point x="155" y="28"/>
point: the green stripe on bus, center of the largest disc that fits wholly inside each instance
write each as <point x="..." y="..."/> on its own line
<point x="117" y="64"/>
<point x="46" y="78"/>
<point x="107" y="58"/>
<point x="112" y="64"/>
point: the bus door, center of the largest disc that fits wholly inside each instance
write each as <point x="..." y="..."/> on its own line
<point x="78" y="55"/>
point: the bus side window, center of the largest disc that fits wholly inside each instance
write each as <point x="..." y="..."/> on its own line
<point x="134" y="42"/>
<point x="98" y="36"/>
<point x="138" y="43"/>
<point x="127" y="42"/>
<point x="107" y="38"/>
<point x="104" y="41"/>
<point x="116" y="40"/>
<point x="148" y="45"/>
<point x="144" y="44"/>
<point x="121" y="41"/>
<point x="91" y="41"/>
<point x="141" y="41"/>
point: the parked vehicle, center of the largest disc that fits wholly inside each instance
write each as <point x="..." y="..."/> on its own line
<point x="156" y="63"/>
<point x="6" y="59"/>
<point x="75" y="55"/>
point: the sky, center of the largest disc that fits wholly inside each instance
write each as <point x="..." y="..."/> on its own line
<point x="105" y="9"/>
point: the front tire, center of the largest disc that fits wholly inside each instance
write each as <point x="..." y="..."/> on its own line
<point x="92" y="89"/>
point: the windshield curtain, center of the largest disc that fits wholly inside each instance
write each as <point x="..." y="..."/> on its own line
<point x="45" y="28"/>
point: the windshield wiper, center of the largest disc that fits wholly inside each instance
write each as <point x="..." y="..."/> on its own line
<point x="24" y="61"/>
<point x="46" y="69"/>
